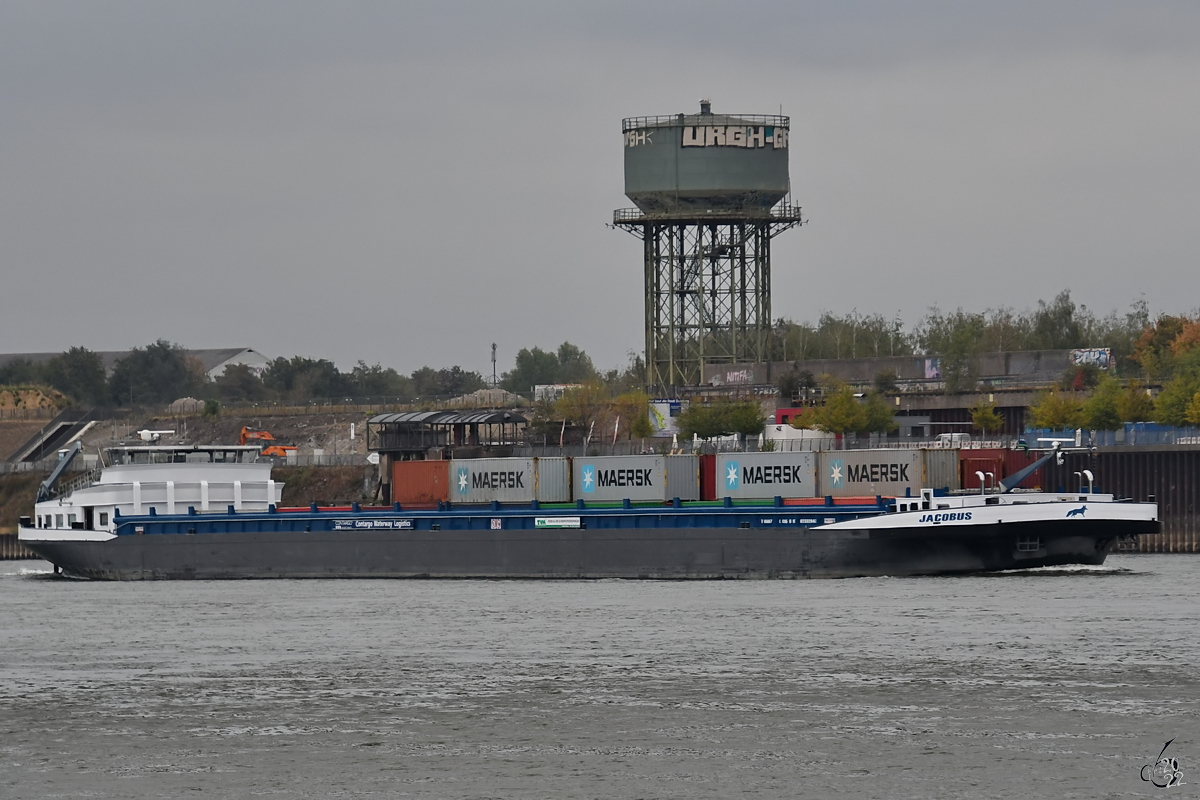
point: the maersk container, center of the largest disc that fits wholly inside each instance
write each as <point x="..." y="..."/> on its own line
<point x="510" y="480"/>
<point x="420" y="482"/>
<point x="941" y="469"/>
<point x="762" y="475"/>
<point x="615" y="478"/>
<point x="866" y="473"/>
<point x="482" y="480"/>
<point x="683" y="477"/>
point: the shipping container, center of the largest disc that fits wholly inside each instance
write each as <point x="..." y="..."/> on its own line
<point x="941" y="469"/>
<point x="553" y="478"/>
<point x="615" y="478"/>
<point x="510" y="480"/>
<point x="762" y="475"/>
<point x="683" y="477"/>
<point x="1017" y="460"/>
<point x="483" y="480"/>
<point x="420" y="482"/>
<point x="981" y="460"/>
<point x="708" y="476"/>
<point x="867" y="473"/>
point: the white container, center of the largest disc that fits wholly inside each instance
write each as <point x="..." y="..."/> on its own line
<point x="763" y="475"/>
<point x="867" y="473"/>
<point x="609" y="478"/>
<point x="510" y="480"/>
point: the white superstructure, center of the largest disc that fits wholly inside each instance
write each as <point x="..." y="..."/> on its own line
<point x="158" y="479"/>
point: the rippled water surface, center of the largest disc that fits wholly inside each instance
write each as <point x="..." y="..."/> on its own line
<point x="1055" y="683"/>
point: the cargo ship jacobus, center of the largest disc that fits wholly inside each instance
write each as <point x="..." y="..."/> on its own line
<point x="174" y="512"/>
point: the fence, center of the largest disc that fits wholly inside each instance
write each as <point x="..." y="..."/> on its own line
<point x="1133" y="434"/>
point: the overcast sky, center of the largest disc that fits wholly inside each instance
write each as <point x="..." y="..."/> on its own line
<point x="405" y="183"/>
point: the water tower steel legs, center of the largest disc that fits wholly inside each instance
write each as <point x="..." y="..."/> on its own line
<point x="708" y="296"/>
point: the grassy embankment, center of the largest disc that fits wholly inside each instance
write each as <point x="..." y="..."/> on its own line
<point x="18" y="490"/>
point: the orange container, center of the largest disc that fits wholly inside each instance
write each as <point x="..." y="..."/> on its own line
<point x="420" y="481"/>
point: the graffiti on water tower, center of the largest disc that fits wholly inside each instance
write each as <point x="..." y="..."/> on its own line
<point x="735" y="136"/>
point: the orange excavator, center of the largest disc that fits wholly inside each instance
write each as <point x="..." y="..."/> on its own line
<point x="277" y="450"/>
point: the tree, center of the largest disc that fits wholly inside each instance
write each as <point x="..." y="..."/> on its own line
<point x="158" y="373"/>
<point x="534" y="367"/>
<point x="574" y="365"/>
<point x="1100" y="411"/>
<point x="302" y="379"/>
<point x="239" y="383"/>
<point x="842" y="413"/>
<point x="879" y="416"/>
<point x="1056" y="325"/>
<point x="584" y="406"/>
<point x="1056" y="410"/>
<point x="885" y="381"/>
<point x="1134" y="404"/>
<point x="1152" y="351"/>
<point x="985" y="417"/>
<point x="79" y="373"/>
<point x="721" y="418"/>
<point x="1171" y="406"/>
<point x="956" y="338"/>
<point x="1192" y="414"/>
<point x="634" y="408"/>
<point x="19" y="372"/>
<point x="375" y="381"/>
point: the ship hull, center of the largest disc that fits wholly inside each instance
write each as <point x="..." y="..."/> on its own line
<point x="646" y="553"/>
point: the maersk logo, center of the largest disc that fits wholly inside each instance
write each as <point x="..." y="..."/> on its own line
<point x="464" y="480"/>
<point x="731" y="475"/>
<point x="588" y="478"/>
<point x="836" y="476"/>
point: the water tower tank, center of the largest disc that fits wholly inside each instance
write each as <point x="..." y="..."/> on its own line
<point x="706" y="163"/>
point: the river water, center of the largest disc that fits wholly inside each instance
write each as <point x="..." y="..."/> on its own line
<point x="1034" y="684"/>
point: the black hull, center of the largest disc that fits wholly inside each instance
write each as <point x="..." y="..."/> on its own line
<point x="663" y="553"/>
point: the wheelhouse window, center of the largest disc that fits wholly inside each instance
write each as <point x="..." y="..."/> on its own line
<point x="58" y="520"/>
<point x="103" y="519"/>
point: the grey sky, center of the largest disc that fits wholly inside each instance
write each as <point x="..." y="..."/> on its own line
<point x="408" y="182"/>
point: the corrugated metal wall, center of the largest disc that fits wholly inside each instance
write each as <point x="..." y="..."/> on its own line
<point x="1170" y="474"/>
<point x="553" y="480"/>
<point x="941" y="469"/>
<point x="420" y="482"/>
<point x="683" y="477"/>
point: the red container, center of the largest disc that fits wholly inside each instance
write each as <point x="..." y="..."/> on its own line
<point x="1017" y="460"/>
<point x="708" y="476"/>
<point x="423" y="482"/>
<point x="985" y="461"/>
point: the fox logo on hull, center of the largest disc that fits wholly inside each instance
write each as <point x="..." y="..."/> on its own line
<point x="1077" y="512"/>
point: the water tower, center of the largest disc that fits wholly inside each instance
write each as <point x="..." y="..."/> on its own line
<point x="710" y="192"/>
